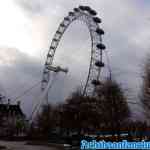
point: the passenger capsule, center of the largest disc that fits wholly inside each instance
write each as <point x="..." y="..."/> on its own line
<point x="52" y="47"/>
<point x="101" y="46"/>
<point x="67" y="19"/>
<point x="99" y="64"/>
<point x="46" y="64"/>
<point x="87" y="8"/>
<point x="82" y="7"/>
<point x="96" y="82"/>
<point x="58" y="32"/>
<point x="100" y="31"/>
<point x="44" y="80"/>
<point x="55" y="40"/>
<point x="45" y="72"/>
<point x="62" y="25"/>
<point x="97" y="20"/>
<point x="93" y="12"/>
<point x="71" y="13"/>
<point x="76" y="10"/>
<point x="49" y="55"/>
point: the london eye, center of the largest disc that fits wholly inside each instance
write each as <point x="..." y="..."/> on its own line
<point x="89" y="17"/>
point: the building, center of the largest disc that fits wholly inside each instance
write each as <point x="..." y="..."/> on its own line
<point x="12" y="119"/>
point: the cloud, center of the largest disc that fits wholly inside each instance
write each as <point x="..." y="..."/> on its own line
<point x="35" y="6"/>
<point x="127" y="39"/>
<point x="18" y="72"/>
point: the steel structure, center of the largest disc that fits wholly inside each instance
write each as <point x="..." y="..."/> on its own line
<point x="89" y="17"/>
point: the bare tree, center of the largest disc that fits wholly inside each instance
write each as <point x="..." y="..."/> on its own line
<point x="81" y="113"/>
<point x="45" y="120"/>
<point x="114" y="107"/>
<point x="145" y="90"/>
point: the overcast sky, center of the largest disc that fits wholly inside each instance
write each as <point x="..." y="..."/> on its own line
<point x="27" y="28"/>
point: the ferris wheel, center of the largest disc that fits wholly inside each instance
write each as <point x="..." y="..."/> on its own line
<point x="89" y="17"/>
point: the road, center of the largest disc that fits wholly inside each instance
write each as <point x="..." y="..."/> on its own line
<point x="22" y="146"/>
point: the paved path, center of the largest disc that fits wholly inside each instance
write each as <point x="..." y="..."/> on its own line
<point x="22" y="146"/>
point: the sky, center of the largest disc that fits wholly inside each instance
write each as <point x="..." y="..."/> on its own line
<point x="27" y="28"/>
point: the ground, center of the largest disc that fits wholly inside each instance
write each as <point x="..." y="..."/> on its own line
<point x="23" y="146"/>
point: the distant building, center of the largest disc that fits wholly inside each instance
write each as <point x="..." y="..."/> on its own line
<point x="12" y="119"/>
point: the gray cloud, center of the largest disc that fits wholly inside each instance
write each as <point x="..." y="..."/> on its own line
<point x="19" y="72"/>
<point x="33" y="6"/>
<point x="127" y="39"/>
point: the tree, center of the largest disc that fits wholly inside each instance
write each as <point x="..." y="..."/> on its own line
<point x="45" y="120"/>
<point x="81" y="113"/>
<point x="114" y="107"/>
<point x="145" y="90"/>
